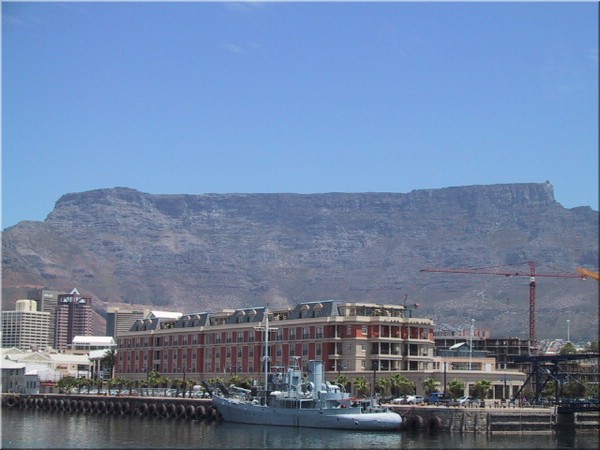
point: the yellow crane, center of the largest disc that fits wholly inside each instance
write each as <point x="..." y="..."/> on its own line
<point x="588" y="273"/>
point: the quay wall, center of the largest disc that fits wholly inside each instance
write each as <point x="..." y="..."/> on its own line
<point x="495" y="420"/>
<point x="429" y="419"/>
<point x="164" y="407"/>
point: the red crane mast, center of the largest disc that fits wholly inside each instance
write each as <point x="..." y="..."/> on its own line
<point x="532" y="276"/>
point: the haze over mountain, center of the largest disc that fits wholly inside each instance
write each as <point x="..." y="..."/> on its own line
<point x="195" y="253"/>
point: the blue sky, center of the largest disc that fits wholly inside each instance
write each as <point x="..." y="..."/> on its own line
<point x="307" y="97"/>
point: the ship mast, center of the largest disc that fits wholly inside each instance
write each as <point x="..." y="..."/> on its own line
<point x="266" y="355"/>
<point x="266" y="350"/>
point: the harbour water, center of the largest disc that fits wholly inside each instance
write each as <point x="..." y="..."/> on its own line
<point x="28" y="429"/>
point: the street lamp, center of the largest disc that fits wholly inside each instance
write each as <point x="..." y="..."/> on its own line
<point x="445" y="385"/>
<point x="471" y="343"/>
<point x="374" y="364"/>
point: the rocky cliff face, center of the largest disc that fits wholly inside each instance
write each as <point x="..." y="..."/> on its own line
<point x="206" y="252"/>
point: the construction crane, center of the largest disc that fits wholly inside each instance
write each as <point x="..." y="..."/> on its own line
<point x="532" y="276"/>
<point x="588" y="273"/>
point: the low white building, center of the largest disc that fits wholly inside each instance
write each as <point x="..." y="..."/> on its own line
<point x="16" y="379"/>
<point x="86" y="344"/>
<point x="63" y="364"/>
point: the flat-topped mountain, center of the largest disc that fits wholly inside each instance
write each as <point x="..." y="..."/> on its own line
<point x="206" y="252"/>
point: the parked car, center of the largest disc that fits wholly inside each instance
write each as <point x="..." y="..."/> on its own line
<point x="469" y="401"/>
<point x="414" y="399"/>
<point x="400" y="400"/>
<point x="436" y="398"/>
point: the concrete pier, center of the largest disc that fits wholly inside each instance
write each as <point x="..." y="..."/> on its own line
<point x="496" y="420"/>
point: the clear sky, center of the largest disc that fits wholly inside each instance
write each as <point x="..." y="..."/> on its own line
<point x="196" y="97"/>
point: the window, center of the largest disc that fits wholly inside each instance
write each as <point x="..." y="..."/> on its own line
<point x="304" y="349"/>
<point x="292" y="333"/>
<point x="305" y="333"/>
<point x="319" y="332"/>
<point x="365" y="330"/>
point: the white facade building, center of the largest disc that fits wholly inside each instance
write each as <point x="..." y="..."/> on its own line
<point x="25" y="328"/>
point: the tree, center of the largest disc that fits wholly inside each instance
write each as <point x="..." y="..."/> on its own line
<point x="66" y="384"/>
<point x="456" y="388"/>
<point x="382" y="385"/>
<point x="574" y="389"/>
<point x="401" y="385"/>
<point x="568" y="349"/>
<point x="109" y="361"/>
<point x="79" y="383"/>
<point x="592" y="347"/>
<point x="430" y="385"/>
<point x="119" y="383"/>
<point x="110" y="384"/>
<point x="481" y="389"/>
<point x="342" y="380"/>
<point x="361" y="386"/>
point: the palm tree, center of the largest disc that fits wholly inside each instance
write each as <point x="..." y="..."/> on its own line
<point x="430" y="385"/>
<point x="342" y="380"/>
<point x="382" y="385"/>
<point x="361" y="386"/>
<point x="109" y="361"/>
<point x="79" y="383"/>
<point x="129" y="384"/>
<point x="401" y="385"/>
<point x="109" y="385"/>
<point x="481" y="388"/>
<point x="143" y="387"/>
<point x="456" y="388"/>
<point x="119" y="383"/>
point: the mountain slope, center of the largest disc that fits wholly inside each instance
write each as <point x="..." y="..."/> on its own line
<point x="206" y="252"/>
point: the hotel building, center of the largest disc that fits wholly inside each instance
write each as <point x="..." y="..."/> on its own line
<point x="353" y="338"/>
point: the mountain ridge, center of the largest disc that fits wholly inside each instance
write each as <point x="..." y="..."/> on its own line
<point x="209" y="251"/>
